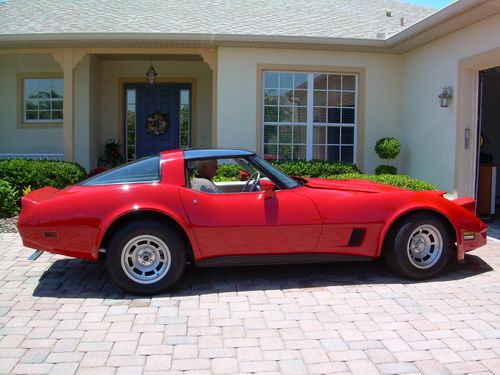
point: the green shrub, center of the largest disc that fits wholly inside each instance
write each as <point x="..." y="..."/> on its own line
<point x="388" y="147"/>
<point x="309" y="168"/>
<point x="401" y="181"/>
<point x="8" y="200"/>
<point x="21" y="173"/>
<point x="386" y="169"/>
<point x="315" y="168"/>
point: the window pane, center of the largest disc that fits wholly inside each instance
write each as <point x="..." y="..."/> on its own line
<point x="300" y="97"/>
<point x="57" y="104"/>
<point x="348" y="115"/>
<point x="270" y="152"/>
<point x="130" y="96"/>
<point x="185" y="117"/>
<point x="333" y="135"/>
<point x="300" y="114"/>
<point x="143" y="170"/>
<point x="285" y="134"/>
<point x="348" y="99"/>
<point x="44" y="90"/>
<point x="271" y="80"/>
<point x="319" y="115"/>
<point x="300" y="81"/>
<point x="285" y="152"/>
<point x="333" y="99"/>
<point x="320" y="98"/>
<point x="333" y="115"/>
<point x="286" y="97"/>
<point x="299" y="152"/>
<point x="286" y="80"/>
<point x="347" y="154"/>
<point x="271" y="114"/>
<point x="347" y="135"/>
<point x="30" y="88"/>
<point x="348" y="82"/>
<point x="320" y="82"/>
<point x="299" y="134"/>
<point x="334" y="82"/>
<point x="44" y="115"/>
<point x="57" y="115"/>
<point x="44" y="104"/>
<point x="332" y="153"/>
<point x="270" y="134"/>
<point x="31" y="115"/>
<point x="319" y="136"/>
<point x="57" y="89"/>
<point x="319" y="152"/>
<point x="31" y="105"/>
<point x="285" y="114"/>
<point x="271" y="96"/>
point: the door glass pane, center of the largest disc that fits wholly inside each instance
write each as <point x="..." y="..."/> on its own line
<point x="185" y="118"/>
<point x="131" y="123"/>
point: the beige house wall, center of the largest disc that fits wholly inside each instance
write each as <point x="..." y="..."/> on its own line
<point x="433" y="137"/>
<point x="237" y="109"/>
<point x="14" y="138"/>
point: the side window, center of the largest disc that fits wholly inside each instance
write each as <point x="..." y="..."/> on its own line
<point x="143" y="170"/>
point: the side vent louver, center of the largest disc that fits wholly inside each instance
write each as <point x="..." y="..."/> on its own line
<point x="357" y="237"/>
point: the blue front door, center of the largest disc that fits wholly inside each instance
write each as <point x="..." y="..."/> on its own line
<point x="159" y="98"/>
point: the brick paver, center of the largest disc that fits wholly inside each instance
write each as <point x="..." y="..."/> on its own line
<point x="64" y="316"/>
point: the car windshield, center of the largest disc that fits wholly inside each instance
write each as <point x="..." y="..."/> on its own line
<point x="285" y="179"/>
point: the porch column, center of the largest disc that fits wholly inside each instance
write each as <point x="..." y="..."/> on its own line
<point x="210" y="57"/>
<point x="67" y="59"/>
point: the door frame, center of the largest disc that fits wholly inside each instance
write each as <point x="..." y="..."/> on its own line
<point x="466" y="159"/>
<point x="180" y="80"/>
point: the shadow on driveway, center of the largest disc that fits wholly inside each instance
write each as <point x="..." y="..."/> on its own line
<point x="73" y="278"/>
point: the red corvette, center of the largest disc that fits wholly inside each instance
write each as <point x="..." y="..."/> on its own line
<point x="150" y="218"/>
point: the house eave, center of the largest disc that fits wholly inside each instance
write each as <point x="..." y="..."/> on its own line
<point x="161" y="40"/>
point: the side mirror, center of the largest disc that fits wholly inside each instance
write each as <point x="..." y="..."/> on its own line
<point x="268" y="188"/>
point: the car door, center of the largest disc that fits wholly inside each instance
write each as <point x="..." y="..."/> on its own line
<point x="251" y="224"/>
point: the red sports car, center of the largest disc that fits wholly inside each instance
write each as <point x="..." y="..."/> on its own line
<point x="149" y="218"/>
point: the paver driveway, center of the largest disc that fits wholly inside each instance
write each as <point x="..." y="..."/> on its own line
<point x="60" y="315"/>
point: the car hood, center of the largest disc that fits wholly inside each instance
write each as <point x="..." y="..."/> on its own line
<point x="353" y="185"/>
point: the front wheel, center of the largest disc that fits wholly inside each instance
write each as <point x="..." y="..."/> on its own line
<point x="146" y="257"/>
<point x="419" y="248"/>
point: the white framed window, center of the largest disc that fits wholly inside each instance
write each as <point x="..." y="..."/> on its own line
<point x="43" y="100"/>
<point x="309" y="115"/>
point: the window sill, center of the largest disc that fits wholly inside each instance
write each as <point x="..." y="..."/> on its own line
<point x="40" y="125"/>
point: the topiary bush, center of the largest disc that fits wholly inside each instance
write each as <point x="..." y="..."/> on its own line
<point x="388" y="147"/>
<point x="402" y="181"/>
<point x="386" y="169"/>
<point x="8" y="200"/>
<point x="22" y="173"/>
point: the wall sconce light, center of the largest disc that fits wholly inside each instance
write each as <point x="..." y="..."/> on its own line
<point x="445" y="97"/>
<point x="151" y="73"/>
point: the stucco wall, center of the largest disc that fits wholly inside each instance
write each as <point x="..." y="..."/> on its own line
<point x="24" y="140"/>
<point x="237" y="93"/>
<point x="428" y="131"/>
<point x="112" y="72"/>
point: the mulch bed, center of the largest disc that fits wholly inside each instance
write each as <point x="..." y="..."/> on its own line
<point x="8" y="225"/>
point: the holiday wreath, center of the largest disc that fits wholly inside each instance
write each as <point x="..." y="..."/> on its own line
<point x="157" y="123"/>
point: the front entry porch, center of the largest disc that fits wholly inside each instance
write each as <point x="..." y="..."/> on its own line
<point x="97" y="106"/>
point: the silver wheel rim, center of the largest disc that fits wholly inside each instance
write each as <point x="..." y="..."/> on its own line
<point x="146" y="259"/>
<point x="425" y="246"/>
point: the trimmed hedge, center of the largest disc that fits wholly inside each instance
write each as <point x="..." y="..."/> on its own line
<point x="388" y="147"/>
<point x="309" y="168"/>
<point x="8" y="200"/>
<point x="35" y="174"/>
<point x="401" y="181"/>
<point x="386" y="169"/>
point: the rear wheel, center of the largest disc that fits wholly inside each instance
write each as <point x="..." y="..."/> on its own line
<point x="146" y="257"/>
<point x="419" y="248"/>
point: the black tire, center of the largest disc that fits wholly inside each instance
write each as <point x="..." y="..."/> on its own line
<point x="146" y="257"/>
<point x="412" y="249"/>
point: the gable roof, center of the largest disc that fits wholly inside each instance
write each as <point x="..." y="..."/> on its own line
<point x="359" y="19"/>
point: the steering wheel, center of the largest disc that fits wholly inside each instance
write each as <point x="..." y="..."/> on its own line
<point x="251" y="186"/>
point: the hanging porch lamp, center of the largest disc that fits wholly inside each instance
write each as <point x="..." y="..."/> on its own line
<point x="151" y="73"/>
<point x="445" y="97"/>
